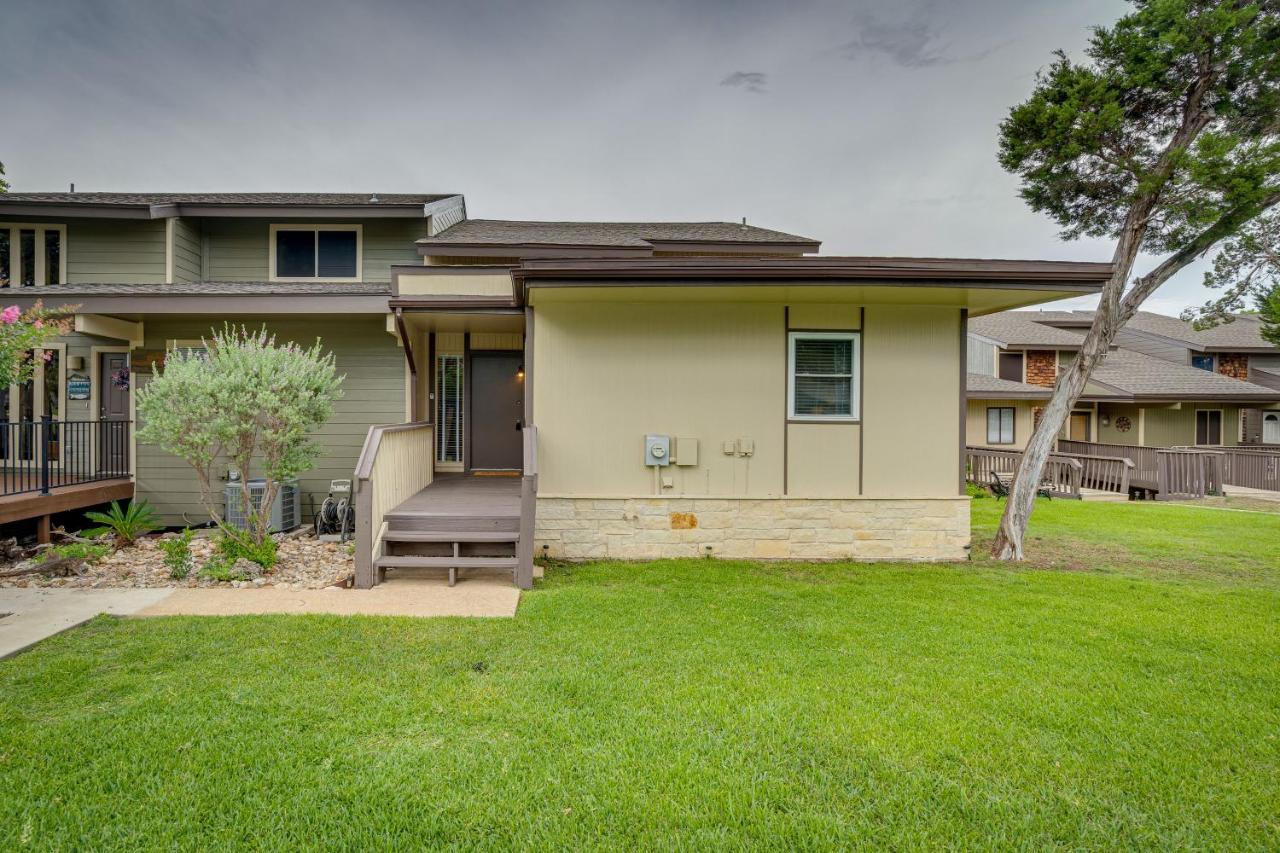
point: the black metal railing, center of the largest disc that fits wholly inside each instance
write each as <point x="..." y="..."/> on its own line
<point x="38" y="456"/>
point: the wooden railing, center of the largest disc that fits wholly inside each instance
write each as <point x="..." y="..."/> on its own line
<point x="1145" y="471"/>
<point x="1106" y="473"/>
<point x="528" y="509"/>
<point x="1062" y="475"/>
<point x="1252" y="467"/>
<point x="1184" y="474"/>
<point x="395" y="464"/>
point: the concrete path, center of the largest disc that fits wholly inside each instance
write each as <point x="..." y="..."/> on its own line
<point x="1246" y="492"/>
<point x="35" y="614"/>
<point x="399" y="597"/>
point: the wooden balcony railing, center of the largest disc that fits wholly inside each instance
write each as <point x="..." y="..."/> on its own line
<point x="396" y="462"/>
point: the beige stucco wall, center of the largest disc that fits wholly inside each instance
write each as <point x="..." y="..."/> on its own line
<point x="913" y="390"/>
<point x="607" y="373"/>
<point x="496" y="285"/>
<point x="976" y="422"/>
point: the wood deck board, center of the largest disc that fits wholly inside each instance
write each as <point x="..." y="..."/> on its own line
<point x="464" y="496"/>
<point x="64" y="498"/>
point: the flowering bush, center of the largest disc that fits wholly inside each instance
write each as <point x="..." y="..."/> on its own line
<point x="21" y="333"/>
<point x="244" y="402"/>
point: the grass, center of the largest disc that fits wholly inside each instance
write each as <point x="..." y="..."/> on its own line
<point x="1119" y="691"/>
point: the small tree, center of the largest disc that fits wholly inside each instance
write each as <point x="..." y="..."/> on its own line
<point x="247" y="402"/>
<point x="1168" y="141"/>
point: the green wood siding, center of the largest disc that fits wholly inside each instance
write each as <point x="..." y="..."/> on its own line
<point x="1109" y="434"/>
<point x="374" y="389"/>
<point x="115" y="251"/>
<point x="1177" y="427"/>
<point x="237" y="249"/>
<point x="186" y="249"/>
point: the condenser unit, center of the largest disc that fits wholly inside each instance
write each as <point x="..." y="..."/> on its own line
<point x="286" y="510"/>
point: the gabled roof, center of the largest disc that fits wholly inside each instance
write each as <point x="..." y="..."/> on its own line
<point x="160" y="205"/>
<point x="629" y="238"/>
<point x="1241" y="333"/>
<point x="1146" y="377"/>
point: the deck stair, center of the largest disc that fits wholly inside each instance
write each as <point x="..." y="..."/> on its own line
<point x="456" y="523"/>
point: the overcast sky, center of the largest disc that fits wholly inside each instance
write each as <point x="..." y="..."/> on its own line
<point x="868" y="125"/>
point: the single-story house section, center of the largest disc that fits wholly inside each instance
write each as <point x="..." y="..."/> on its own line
<point x="579" y="390"/>
<point x="1156" y="396"/>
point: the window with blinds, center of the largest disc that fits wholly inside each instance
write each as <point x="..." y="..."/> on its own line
<point x="448" y="408"/>
<point x="823" y="375"/>
<point x="1000" y="425"/>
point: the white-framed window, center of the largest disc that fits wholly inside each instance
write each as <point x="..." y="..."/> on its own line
<point x="32" y="255"/>
<point x="1209" y="426"/>
<point x="316" y="252"/>
<point x="189" y="346"/>
<point x="822" y="376"/>
<point x="1000" y="425"/>
<point x="44" y="395"/>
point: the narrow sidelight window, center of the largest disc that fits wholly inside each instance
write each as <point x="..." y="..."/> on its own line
<point x="1000" y="425"/>
<point x="823" y="376"/>
<point x="328" y="252"/>
<point x="448" y="408"/>
<point x="1209" y="426"/>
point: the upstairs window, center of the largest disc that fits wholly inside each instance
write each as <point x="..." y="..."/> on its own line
<point x="823" y="376"/>
<point x="31" y="255"/>
<point x="315" y="252"/>
<point x="1203" y="362"/>
<point x="1011" y="366"/>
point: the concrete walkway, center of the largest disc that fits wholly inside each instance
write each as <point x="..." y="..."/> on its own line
<point x="35" y="614"/>
<point x="1246" y="492"/>
<point x="399" y="597"/>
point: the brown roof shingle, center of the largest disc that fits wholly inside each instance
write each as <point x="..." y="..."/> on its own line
<point x="141" y="199"/>
<point x="500" y="232"/>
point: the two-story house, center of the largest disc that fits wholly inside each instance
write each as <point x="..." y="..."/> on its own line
<point x="1153" y="389"/>
<point x="606" y="389"/>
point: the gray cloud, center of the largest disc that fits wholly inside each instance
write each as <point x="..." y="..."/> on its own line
<point x="913" y="43"/>
<point x="751" y="81"/>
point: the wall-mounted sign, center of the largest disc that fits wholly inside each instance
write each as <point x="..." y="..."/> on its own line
<point x="78" y="386"/>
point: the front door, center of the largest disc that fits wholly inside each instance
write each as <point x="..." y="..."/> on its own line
<point x="1271" y="428"/>
<point x="113" y="409"/>
<point x="497" y="411"/>
<point x="1079" y="427"/>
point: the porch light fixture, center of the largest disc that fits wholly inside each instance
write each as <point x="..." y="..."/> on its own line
<point x="520" y="372"/>
<point x="1105" y="420"/>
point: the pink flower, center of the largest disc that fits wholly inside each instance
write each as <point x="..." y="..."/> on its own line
<point x="39" y="324"/>
<point x="10" y="315"/>
<point x="47" y="355"/>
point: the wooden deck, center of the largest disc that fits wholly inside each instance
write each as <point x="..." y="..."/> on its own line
<point x="62" y="499"/>
<point x="451" y="497"/>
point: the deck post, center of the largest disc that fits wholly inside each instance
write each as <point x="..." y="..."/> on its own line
<point x="44" y="454"/>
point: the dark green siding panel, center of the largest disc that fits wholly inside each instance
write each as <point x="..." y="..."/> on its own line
<point x="237" y="249"/>
<point x="374" y="393"/>
<point x="186" y="249"/>
<point x="116" y="251"/>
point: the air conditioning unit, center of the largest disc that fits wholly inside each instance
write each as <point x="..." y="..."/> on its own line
<point x="286" y="510"/>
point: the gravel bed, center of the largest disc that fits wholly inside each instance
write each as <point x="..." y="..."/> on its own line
<point x="304" y="563"/>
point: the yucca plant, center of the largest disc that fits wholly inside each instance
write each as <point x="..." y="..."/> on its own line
<point x="125" y="525"/>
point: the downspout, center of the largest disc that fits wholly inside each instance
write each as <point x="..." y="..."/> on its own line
<point x="413" y="367"/>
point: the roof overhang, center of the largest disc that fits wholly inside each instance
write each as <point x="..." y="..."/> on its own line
<point x="435" y="247"/>
<point x="133" y="306"/>
<point x="981" y="286"/>
<point x="73" y="209"/>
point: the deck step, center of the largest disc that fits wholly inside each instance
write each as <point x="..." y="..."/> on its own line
<point x="410" y="562"/>
<point x="451" y="536"/>
<point x="453" y="523"/>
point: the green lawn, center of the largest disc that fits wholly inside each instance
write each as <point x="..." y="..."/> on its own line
<point x="1129" y="697"/>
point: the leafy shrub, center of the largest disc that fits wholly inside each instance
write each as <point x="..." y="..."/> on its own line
<point x="234" y="544"/>
<point x="126" y="525"/>
<point x="177" y="554"/>
<point x="973" y="490"/>
<point x="86" y="551"/>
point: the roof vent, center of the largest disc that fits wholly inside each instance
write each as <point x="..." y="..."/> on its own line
<point x="373" y="199"/>
<point x="73" y="186"/>
<point x="744" y="223"/>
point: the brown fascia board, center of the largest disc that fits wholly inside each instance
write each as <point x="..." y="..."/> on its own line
<point x="81" y="210"/>
<point x="1009" y="395"/>
<point x="430" y="247"/>
<point x="1246" y="350"/>
<point x="745" y="247"/>
<point x="1237" y="399"/>
<point x="241" y="303"/>
<point x="940" y="272"/>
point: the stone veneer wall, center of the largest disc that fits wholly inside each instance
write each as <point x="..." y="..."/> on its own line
<point x="1042" y="367"/>
<point x="1234" y="364"/>
<point x="919" y="529"/>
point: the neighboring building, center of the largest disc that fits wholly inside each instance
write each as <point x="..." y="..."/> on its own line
<point x="813" y="404"/>
<point x="1153" y="390"/>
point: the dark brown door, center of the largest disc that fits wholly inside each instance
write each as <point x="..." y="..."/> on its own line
<point x="496" y="413"/>
<point x="113" y="411"/>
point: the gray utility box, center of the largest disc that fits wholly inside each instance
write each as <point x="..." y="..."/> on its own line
<point x="657" y="450"/>
<point x="286" y="510"/>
